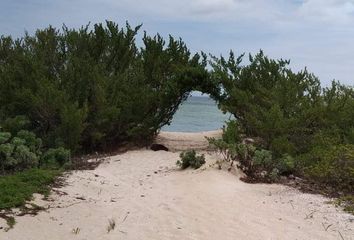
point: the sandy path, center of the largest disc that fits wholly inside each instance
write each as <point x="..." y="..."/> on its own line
<point x="149" y="198"/>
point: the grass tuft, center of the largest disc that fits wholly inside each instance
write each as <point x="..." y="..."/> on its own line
<point x="111" y="225"/>
<point x="346" y="202"/>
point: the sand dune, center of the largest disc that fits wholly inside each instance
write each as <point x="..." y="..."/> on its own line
<point x="149" y="198"/>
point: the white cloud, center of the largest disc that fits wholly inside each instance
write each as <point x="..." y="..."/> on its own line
<point x="329" y="11"/>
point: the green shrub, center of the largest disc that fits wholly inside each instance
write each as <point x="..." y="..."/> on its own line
<point x="280" y="145"/>
<point x="4" y="137"/>
<point x="231" y="132"/>
<point x="227" y="150"/>
<point x="286" y="164"/>
<point x="24" y="151"/>
<point x="23" y="158"/>
<point x="14" y="124"/>
<point x="263" y="160"/>
<point x="333" y="166"/>
<point x="190" y="159"/>
<point x="31" y="141"/>
<point x="20" y="152"/>
<point x="57" y="157"/>
<point x="258" y="164"/>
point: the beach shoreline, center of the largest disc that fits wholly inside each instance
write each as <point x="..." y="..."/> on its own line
<point x="180" y="141"/>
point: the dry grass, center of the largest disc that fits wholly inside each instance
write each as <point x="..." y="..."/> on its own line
<point x="111" y="225"/>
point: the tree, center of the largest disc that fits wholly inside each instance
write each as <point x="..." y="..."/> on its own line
<point x="94" y="88"/>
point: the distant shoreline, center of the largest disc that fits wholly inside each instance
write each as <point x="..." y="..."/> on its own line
<point x="197" y="114"/>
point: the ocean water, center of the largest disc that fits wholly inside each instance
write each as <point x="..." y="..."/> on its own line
<point x="196" y="114"/>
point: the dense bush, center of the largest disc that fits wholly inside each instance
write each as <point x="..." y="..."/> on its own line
<point x="19" y="152"/>
<point x="298" y="126"/>
<point x="24" y="150"/>
<point x="93" y="87"/>
<point x="333" y="166"/>
<point x="190" y="159"/>
<point x="284" y="108"/>
<point x="55" y="157"/>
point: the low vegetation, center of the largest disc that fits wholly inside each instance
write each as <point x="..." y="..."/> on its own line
<point x="26" y="168"/>
<point x="190" y="159"/>
<point x="346" y="202"/>
<point x="18" y="188"/>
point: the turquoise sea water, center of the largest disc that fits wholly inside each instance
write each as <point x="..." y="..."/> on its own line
<point x="197" y="114"/>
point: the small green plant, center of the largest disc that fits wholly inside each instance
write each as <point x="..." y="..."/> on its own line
<point x="346" y="202"/>
<point x="231" y="132"/>
<point x="190" y="159"/>
<point x="10" y="222"/>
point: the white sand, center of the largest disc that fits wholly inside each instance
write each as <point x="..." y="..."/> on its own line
<point x="149" y="198"/>
<point x="177" y="141"/>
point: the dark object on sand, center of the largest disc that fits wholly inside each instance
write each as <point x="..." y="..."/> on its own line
<point x="158" y="147"/>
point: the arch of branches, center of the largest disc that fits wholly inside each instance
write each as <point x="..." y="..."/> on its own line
<point x="95" y="87"/>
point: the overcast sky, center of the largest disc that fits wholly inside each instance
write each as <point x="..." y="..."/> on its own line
<point x="318" y="34"/>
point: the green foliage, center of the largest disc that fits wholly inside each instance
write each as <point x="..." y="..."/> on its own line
<point x="4" y="137"/>
<point x="228" y="150"/>
<point x="24" y="151"/>
<point x="55" y="157"/>
<point x="286" y="164"/>
<point x="231" y="132"/>
<point x="23" y="158"/>
<point x="258" y="164"/>
<point x="16" y="189"/>
<point x="300" y="127"/>
<point x="283" y="108"/>
<point x="93" y="89"/>
<point x="14" y="125"/>
<point x="333" y="166"/>
<point x="19" y="152"/>
<point x="263" y="158"/>
<point x="32" y="142"/>
<point x="10" y="223"/>
<point x="190" y="159"/>
<point x="347" y="202"/>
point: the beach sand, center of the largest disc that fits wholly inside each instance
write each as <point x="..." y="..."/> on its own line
<point x="148" y="197"/>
